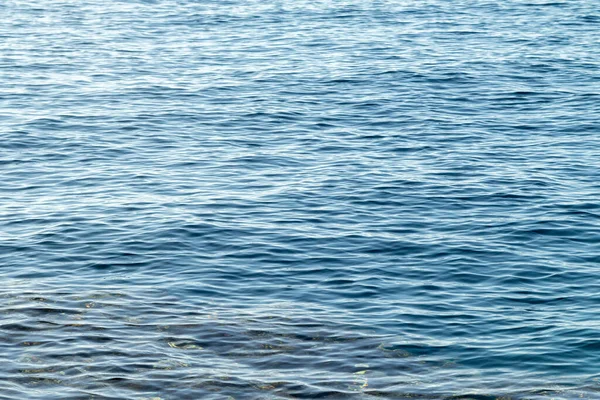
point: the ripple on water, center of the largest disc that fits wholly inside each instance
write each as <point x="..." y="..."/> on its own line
<point x="308" y="199"/>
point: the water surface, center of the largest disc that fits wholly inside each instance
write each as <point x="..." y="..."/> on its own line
<point x="350" y="199"/>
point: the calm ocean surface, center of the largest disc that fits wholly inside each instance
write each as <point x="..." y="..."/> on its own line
<point x="353" y="199"/>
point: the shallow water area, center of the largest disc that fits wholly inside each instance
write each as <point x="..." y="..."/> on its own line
<point x="298" y="200"/>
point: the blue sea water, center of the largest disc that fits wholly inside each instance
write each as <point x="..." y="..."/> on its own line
<point x="352" y="199"/>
